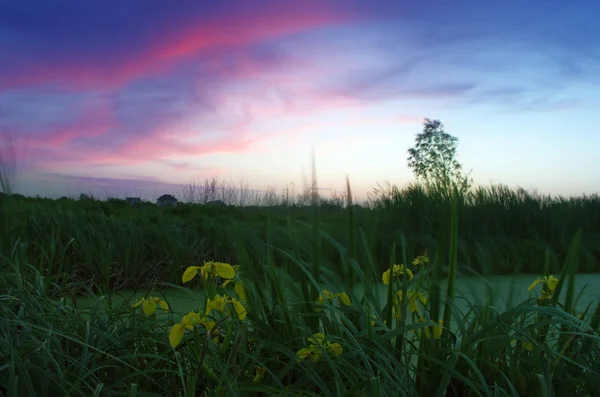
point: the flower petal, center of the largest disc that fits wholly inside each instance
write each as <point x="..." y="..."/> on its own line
<point x="240" y="310"/>
<point x="344" y="298"/>
<point x="138" y="303"/>
<point x="317" y="339"/>
<point x="240" y="291"/>
<point x="149" y="307"/>
<point x="309" y="352"/>
<point x="536" y="282"/>
<point x="386" y="277"/>
<point x="412" y="306"/>
<point x="421" y="260"/>
<point x="208" y="324"/>
<point x="218" y="304"/>
<point x="224" y="270"/>
<point x="176" y="334"/>
<point x="260" y="374"/>
<point x="190" y="273"/>
<point x="163" y="304"/>
<point x="336" y="348"/>
<point x="191" y="319"/>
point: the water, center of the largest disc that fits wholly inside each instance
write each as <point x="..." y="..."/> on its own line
<point x="469" y="290"/>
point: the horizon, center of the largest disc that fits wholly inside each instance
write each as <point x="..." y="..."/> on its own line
<point x="147" y="97"/>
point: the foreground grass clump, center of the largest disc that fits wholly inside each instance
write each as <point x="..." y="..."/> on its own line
<point x="303" y="327"/>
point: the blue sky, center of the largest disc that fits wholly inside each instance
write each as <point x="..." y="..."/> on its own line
<point x="140" y="97"/>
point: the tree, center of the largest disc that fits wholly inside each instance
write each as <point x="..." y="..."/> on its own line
<point x="433" y="159"/>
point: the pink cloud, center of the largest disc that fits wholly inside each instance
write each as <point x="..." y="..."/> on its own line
<point x="166" y="48"/>
<point x="94" y="122"/>
<point x="158" y="148"/>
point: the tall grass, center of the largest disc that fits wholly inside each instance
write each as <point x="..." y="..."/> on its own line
<point x="112" y="245"/>
<point x="537" y="347"/>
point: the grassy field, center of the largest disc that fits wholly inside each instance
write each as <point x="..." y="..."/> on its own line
<point x="298" y="301"/>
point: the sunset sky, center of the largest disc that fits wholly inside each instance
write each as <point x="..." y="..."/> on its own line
<point x="138" y="97"/>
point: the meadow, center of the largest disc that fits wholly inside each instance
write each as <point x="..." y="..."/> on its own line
<point x="412" y="293"/>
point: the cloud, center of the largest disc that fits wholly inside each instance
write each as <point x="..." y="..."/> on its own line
<point x="156" y="51"/>
<point x="107" y="85"/>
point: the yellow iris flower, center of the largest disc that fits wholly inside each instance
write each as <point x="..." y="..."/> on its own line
<point x="149" y="305"/>
<point x="550" y="282"/>
<point x="189" y="321"/>
<point x="373" y="319"/>
<point x="260" y="375"/>
<point x="526" y="345"/>
<point x="315" y="350"/>
<point x="209" y="269"/>
<point x="397" y="271"/>
<point x="330" y="296"/>
<point x="240" y="291"/>
<point x="421" y="260"/>
<point x="437" y="330"/>
<point x="413" y="297"/>
<point x="221" y="303"/>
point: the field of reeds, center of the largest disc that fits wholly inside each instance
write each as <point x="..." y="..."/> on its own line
<point x="325" y="298"/>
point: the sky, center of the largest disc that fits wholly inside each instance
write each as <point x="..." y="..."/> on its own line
<point x="140" y="97"/>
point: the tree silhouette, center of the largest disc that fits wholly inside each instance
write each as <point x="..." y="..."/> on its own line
<point x="433" y="158"/>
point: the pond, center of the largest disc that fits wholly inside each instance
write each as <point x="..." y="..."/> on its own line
<point x="510" y="290"/>
<point x="469" y="290"/>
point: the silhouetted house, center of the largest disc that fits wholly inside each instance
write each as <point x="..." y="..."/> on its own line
<point x="133" y="200"/>
<point x="166" y="199"/>
<point x="84" y="196"/>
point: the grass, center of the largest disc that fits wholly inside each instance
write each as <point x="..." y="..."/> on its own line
<point x="58" y="337"/>
<point x="500" y="232"/>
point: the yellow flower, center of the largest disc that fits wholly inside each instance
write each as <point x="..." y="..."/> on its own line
<point x="552" y="283"/>
<point x="317" y="339"/>
<point x="149" y="305"/>
<point x="220" y="303"/>
<point x="397" y="271"/>
<point x="527" y="346"/>
<point x="240" y="291"/>
<point x="260" y="375"/>
<point x="226" y="283"/>
<point x="209" y="269"/>
<point x="437" y="330"/>
<point x="421" y="260"/>
<point x="189" y="321"/>
<point x="343" y="297"/>
<point x="240" y="310"/>
<point x="413" y="297"/>
<point x="238" y="288"/>
<point x="317" y="345"/>
<point x="549" y="282"/>
<point x="314" y="353"/>
<point x="335" y="348"/>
